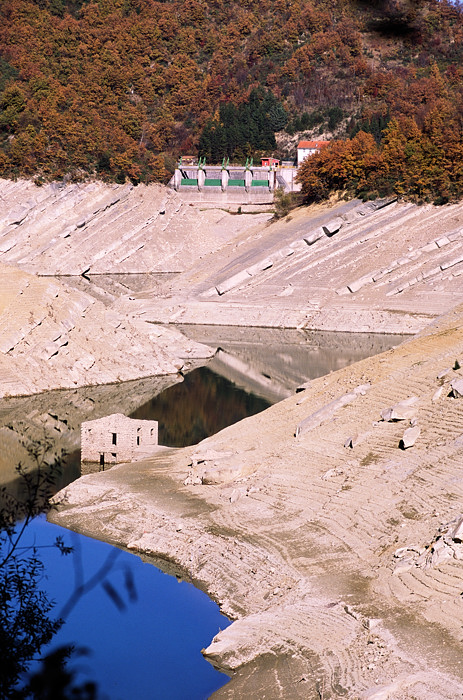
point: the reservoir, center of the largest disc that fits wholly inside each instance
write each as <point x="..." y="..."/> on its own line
<point x="117" y="608"/>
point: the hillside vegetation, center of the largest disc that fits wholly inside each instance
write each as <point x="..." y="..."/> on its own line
<point x="120" y="88"/>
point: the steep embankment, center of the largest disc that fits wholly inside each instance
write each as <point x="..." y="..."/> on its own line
<point x="97" y="229"/>
<point x="380" y="266"/>
<point x="53" y="337"/>
<point x="341" y="566"/>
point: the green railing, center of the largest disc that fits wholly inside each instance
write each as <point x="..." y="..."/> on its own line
<point x="189" y="181"/>
<point x="213" y="182"/>
<point x="259" y="183"/>
<point x="235" y="183"/>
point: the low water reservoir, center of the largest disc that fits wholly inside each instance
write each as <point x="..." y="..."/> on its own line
<point x="136" y="632"/>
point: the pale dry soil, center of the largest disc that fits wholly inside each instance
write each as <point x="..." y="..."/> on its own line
<point x="340" y="566"/>
<point x="300" y="539"/>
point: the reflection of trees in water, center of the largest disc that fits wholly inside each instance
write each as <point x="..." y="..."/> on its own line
<point x="27" y="623"/>
<point x="201" y="405"/>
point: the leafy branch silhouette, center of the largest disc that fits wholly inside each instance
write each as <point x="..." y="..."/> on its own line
<point x="27" y="623"/>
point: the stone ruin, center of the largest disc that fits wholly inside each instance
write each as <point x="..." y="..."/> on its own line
<point x="116" y="438"/>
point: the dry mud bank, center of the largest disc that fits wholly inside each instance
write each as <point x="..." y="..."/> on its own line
<point x="341" y="566"/>
<point x="383" y="266"/>
<point x="52" y="336"/>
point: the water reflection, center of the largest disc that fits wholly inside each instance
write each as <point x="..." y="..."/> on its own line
<point x="251" y="369"/>
<point x="53" y="419"/>
<point x="142" y="630"/>
<point x="200" y="406"/>
<point x="272" y="362"/>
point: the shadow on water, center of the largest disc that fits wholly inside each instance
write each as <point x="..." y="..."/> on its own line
<point x="127" y="626"/>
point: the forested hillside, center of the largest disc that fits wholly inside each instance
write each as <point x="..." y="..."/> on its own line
<point x="121" y="88"/>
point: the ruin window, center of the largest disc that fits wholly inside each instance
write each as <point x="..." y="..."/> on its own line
<point x="114" y="438"/>
<point x="138" y="436"/>
<point x="151" y="432"/>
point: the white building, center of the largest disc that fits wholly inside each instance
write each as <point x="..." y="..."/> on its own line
<point x="308" y="148"/>
<point x="116" y="438"/>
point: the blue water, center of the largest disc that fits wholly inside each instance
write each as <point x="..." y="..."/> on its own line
<point x="144" y="629"/>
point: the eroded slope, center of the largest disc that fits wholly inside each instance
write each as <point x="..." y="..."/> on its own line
<point x="381" y="266"/>
<point x="325" y="556"/>
<point x="53" y="337"/>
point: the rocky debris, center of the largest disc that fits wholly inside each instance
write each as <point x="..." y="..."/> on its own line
<point x="232" y="282"/>
<point x="260" y="266"/>
<point x="404" y="410"/>
<point x="444" y="373"/>
<point x="333" y="226"/>
<point x="208" y="455"/>
<point x="93" y="229"/>
<point x="327" y="412"/>
<point x="409" y="437"/>
<point x="336" y="471"/>
<point x="448" y="544"/>
<point x="304" y="386"/>
<point x="313" y="236"/>
<point x="354" y="440"/>
<point x="457" y="388"/>
<point x="359" y="283"/>
<point x="214" y="467"/>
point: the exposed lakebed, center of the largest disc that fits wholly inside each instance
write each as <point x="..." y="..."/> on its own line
<point x="268" y="365"/>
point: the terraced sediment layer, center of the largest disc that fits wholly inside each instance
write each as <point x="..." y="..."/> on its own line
<point x="380" y="266"/>
<point x="52" y="337"/>
<point x="341" y="566"/>
<point x="94" y="228"/>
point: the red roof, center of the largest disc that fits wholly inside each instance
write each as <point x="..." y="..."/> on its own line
<point x="312" y="144"/>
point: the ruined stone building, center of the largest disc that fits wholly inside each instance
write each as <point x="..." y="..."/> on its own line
<point x="116" y="438"/>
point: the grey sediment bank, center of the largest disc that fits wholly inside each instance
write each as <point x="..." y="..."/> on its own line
<point x="336" y="563"/>
<point x="336" y="552"/>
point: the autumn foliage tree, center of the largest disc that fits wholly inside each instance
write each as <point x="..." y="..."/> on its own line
<point x="119" y="89"/>
<point x="419" y="164"/>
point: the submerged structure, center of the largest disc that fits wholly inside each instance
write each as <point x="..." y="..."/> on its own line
<point x="116" y="438"/>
